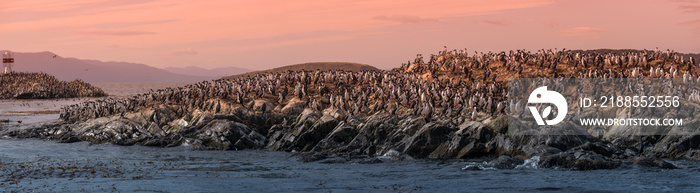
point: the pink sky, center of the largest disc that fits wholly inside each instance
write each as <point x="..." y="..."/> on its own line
<point x="259" y="34"/>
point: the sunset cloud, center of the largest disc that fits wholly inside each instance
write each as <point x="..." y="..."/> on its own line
<point x="550" y="24"/>
<point x="379" y="32"/>
<point x="116" y="46"/>
<point x="683" y="1"/>
<point x="583" y="32"/>
<point x="403" y="19"/>
<point x="695" y="25"/>
<point x="212" y="20"/>
<point x="494" y="22"/>
<point x="690" y="8"/>
<point x="100" y="32"/>
<point x="182" y="52"/>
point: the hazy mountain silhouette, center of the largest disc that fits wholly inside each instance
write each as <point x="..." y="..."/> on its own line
<point x="68" y="69"/>
<point x="216" y="72"/>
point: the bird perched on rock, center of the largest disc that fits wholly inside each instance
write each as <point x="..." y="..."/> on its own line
<point x="123" y="113"/>
<point x="474" y="114"/>
<point x="155" y="117"/>
<point x="427" y="112"/>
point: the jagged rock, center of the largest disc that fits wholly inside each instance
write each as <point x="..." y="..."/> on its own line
<point x="170" y="140"/>
<point x="396" y="156"/>
<point x="604" y="149"/>
<point x="468" y="141"/>
<point x="477" y="135"/>
<point x="578" y="160"/>
<point x="674" y="143"/>
<point x="678" y="143"/>
<point x="225" y="135"/>
<point x="588" y="156"/>
<point x="341" y="135"/>
<point x="427" y="139"/>
<point x="125" y="132"/>
<point x="308" y="137"/>
<point x="116" y="131"/>
<point x="308" y="130"/>
<point x="654" y="162"/>
<point x="69" y="139"/>
<point x="279" y="137"/>
<point x="532" y="142"/>
<point x="305" y="119"/>
<point x="323" y="134"/>
<point x="627" y="137"/>
<point x="36" y="130"/>
<point x="373" y="132"/>
<point x="253" y="140"/>
<point x="293" y="107"/>
<point x="411" y="125"/>
<point x="505" y="162"/>
<point x="498" y="124"/>
<point x="335" y="113"/>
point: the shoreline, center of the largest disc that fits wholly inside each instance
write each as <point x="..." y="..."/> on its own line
<point x="453" y="106"/>
<point x="592" y="154"/>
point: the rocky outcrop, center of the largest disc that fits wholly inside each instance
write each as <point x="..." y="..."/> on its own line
<point x="22" y="85"/>
<point x="226" y="135"/>
<point x="452" y="106"/>
<point x="653" y="162"/>
<point x="578" y="160"/>
<point x="332" y="136"/>
<point x="505" y="162"/>
<point x="589" y="156"/>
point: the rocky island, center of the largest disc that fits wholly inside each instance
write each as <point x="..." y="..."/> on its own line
<point x="32" y="85"/>
<point x="451" y="105"/>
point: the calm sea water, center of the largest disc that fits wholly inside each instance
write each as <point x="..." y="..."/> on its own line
<point x="47" y="166"/>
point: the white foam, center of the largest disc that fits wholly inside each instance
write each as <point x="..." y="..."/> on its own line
<point x="482" y="166"/>
<point x="529" y="163"/>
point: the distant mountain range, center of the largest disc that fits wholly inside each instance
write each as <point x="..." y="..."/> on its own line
<point x="69" y="69"/>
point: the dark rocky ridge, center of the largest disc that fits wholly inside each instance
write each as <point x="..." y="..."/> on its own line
<point x="452" y="106"/>
<point x="23" y="85"/>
